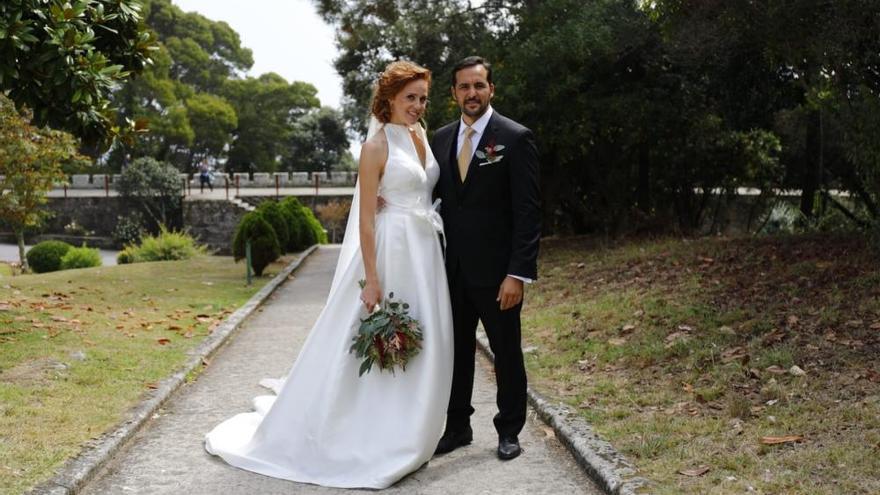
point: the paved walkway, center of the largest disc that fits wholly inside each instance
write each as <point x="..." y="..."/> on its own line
<point x="167" y="456"/>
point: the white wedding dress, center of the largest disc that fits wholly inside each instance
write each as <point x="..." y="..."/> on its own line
<point x="327" y="425"/>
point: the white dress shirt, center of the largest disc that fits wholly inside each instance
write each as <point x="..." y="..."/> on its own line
<point x="479" y="127"/>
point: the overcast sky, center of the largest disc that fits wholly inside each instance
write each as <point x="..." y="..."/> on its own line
<point x="286" y="36"/>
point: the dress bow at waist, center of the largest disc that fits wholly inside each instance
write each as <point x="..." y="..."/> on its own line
<point x="431" y="215"/>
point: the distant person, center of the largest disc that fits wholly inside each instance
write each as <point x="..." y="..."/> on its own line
<point x="205" y="176"/>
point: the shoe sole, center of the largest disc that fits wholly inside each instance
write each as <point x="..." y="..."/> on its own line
<point x="508" y="457"/>
<point x="463" y="443"/>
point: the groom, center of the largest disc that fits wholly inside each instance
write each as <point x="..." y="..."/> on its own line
<point x="491" y="212"/>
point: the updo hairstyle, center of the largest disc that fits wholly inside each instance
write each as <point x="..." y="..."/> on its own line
<point x="396" y="75"/>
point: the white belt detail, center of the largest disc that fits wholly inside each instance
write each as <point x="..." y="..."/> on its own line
<point x="430" y="215"/>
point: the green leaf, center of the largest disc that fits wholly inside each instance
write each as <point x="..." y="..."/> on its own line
<point x="365" y="367"/>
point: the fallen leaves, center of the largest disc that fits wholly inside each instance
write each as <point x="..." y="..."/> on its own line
<point x="736" y="353"/>
<point x="683" y="334"/>
<point x="781" y="440"/>
<point x="693" y="472"/>
<point x="774" y="337"/>
<point x="776" y="370"/>
<point x="548" y="431"/>
<point x="163" y="341"/>
<point x="796" y="371"/>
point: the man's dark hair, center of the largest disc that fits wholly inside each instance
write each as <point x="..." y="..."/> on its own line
<point x="470" y="62"/>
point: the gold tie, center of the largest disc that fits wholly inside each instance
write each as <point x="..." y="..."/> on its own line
<point x="464" y="157"/>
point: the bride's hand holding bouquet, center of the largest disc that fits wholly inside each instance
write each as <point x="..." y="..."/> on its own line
<point x="371" y="294"/>
<point x="388" y="337"/>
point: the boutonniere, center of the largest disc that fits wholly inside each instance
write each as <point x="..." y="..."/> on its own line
<point x="490" y="153"/>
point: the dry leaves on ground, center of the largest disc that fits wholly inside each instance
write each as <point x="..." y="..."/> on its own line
<point x="783" y="439"/>
<point x="697" y="471"/>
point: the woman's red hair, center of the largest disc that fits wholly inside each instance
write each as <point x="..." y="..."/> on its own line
<point x="391" y="81"/>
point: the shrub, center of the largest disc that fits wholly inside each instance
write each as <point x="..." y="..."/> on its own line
<point x="128" y="230"/>
<point x="166" y="246"/>
<point x="127" y="255"/>
<point x="318" y="235"/>
<point x="333" y="215"/>
<point x="152" y="186"/>
<point x="276" y="215"/>
<point x="297" y="223"/>
<point x="80" y="257"/>
<point x="46" y="256"/>
<point x="264" y="243"/>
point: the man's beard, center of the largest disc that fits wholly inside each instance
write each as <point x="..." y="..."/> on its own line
<point x="475" y="114"/>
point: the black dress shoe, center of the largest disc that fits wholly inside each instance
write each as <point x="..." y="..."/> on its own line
<point x="453" y="439"/>
<point x="508" y="448"/>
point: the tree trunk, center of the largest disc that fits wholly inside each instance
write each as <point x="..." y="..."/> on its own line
<point x="643" y="190"/>
<point x="812" y="178"/>
<point x="19" y="236"/>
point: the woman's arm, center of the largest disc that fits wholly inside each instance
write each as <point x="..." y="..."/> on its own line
<point x="374" y="153"/>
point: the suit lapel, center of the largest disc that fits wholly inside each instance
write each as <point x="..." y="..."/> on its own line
<point x="452" y="157"/>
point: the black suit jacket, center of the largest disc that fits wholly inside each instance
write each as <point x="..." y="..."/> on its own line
<point x="493" y="220"/>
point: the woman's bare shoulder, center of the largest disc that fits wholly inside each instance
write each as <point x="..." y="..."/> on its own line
<point x="375" y="149"/>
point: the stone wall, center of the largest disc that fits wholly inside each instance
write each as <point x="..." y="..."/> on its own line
<point x="96" y="214"/>
<point x="343" y="178"/>
<point x="213" y="223"/>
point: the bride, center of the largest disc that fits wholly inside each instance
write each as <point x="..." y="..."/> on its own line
<point x="327" y="425"/>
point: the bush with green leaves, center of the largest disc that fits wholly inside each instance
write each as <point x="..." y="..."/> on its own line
<point x="318" y="234"/>
<point x="278" y="218"/>
<point x="296" y="225"/>
<point x="129" y="229"/>
<point x="264" y="242"/>
<point x="308" y="228"/>
<point x="167" y="246"/>
<point x="154" y="187"/>
<point x="128" y="255"/>
<point x="81" y="257"/>
<point x="46" y="256"/>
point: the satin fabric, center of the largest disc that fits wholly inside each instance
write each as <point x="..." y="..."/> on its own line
<point x="327" y="425"/>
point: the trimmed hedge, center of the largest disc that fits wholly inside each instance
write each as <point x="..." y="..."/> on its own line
<point x="278" y="218"/>
<point x="46" y="256"/>
<point x="308" y="228"/>
<point x="264" y="242"/>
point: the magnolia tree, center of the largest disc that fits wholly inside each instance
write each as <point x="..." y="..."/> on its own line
<point x="31" y="160"/>
<point x="62" y="59"/>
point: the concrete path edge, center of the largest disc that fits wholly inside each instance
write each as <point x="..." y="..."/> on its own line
<point x="607" y="467"/>
<point x="75" y="473"/>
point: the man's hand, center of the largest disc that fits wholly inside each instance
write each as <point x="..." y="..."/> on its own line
<point x="511" y="293"/>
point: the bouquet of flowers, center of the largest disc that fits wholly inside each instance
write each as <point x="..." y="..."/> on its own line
<point x="387" y="337"/>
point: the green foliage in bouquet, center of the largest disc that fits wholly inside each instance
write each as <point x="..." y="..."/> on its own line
<point x="388" y="337"/>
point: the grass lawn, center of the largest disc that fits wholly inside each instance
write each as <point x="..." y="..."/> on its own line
<point x="78" y="348"/>
<point x="681" y="354"/>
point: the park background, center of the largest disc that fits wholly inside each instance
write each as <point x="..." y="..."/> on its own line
<point x="710" y="174"/>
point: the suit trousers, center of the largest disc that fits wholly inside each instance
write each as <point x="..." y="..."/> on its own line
<point x="470" y="304"/>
